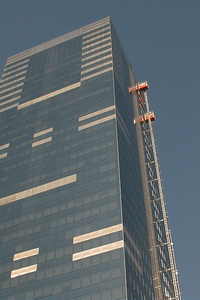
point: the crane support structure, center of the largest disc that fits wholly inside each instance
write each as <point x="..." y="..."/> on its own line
<point x="165" y="275"/>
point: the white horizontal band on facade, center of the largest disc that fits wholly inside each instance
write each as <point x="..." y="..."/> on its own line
<point x="94" y="123"/>
<point x="23" y="271"/>
<point x="50" y="95"/>
<point x="43" y="141"/>
<point x="11" y="88"/>
<point x="10" y="100"/>
<point x="9" y="107"/>
<point x="38" y="189"/>
<point x="25" y="254"/>
<point x="10" y="94"/>
<point x="98" y="250"/>
<point x="97" y="48"/>
<point x="15" y="70"/>
<point x="93" y="39"/>
<point x="97" y="233"/>
<point x="12" y="82"/>
<point x="13" y="76"/>
<point x="96" y="74"/>
<point x="5" y="146"/>
<point x="107" y="51"/>
<point x="96" y="26"/>
<point x="95" y="33"/>
<point x="96" y="67"/>
<point x="96" y="60"/>
<point x="96" y="43"/>
<point x="3" y="155"/>
<point x="17" y="57"/>
<point x="10" y="66"/>
<point x="96" y="113"/>
<point x="39" y="133"/>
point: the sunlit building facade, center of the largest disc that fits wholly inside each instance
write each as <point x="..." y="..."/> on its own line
<point x="81" y="214"/>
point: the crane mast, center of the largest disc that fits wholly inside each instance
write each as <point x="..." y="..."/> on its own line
<point x="165" y="275"/>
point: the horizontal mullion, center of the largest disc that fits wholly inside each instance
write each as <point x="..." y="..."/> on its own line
<point x="94" y="61"/>
<point x="96" y="43"/>
<point x="95" y="33"/>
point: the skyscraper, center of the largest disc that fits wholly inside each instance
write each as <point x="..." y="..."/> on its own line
<point x="81" y="206"/>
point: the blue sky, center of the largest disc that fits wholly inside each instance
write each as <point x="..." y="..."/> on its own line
<point x="161" y="39"/>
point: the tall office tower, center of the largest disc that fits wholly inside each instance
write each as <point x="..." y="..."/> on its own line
<point x="82" y="213"/>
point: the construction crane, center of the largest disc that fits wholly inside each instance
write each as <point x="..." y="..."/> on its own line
<point x="146" y="117"/>
<point x="156" y="203"/>
<point x="139" y="87"/>
<point x="142" y="86"/>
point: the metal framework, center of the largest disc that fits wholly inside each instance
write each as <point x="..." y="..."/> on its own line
<point x="165" y="275"/>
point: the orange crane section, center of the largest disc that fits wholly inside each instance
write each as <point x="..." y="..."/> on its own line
<point x="140" y="86"/>
<point x="146" y="117"/>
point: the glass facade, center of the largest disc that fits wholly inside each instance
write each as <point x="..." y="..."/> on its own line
<point x="72" y="207"/>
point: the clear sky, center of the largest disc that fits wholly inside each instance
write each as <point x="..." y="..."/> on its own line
<point x="161" y="39"/>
